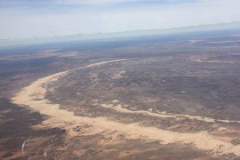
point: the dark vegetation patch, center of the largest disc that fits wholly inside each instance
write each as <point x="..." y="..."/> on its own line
<point x="173" y="85"/>
<point x="16" y="126"/>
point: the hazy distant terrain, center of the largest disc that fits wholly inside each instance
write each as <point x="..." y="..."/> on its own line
<point x="173" y="96"/>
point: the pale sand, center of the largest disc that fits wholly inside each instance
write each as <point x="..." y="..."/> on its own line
<point x="34" y="97"/>
<point x="119" y="108"/>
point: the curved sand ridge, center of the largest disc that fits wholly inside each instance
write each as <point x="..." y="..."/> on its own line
<point x="34" y="97"/>
<point x="119" y="108"/>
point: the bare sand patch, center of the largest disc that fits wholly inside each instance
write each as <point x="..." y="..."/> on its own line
<point x="118" y="75"/>
<point x="115" y="101"/>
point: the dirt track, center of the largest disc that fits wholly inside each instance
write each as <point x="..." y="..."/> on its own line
<point x="34" y="97"/>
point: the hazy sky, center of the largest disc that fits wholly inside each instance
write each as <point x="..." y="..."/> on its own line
<point x="45" y="18"/>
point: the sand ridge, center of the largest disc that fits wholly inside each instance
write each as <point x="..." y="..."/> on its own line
<point x="34" y="97"/>
<point x="119" y="108"/>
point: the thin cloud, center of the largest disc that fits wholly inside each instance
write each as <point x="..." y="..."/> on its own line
<point x="80" y="2"/>
<point x="74" y="17"/>
<point x="104" y="2"/>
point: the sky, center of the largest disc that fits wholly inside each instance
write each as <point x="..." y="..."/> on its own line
<point x="25" y="19"/>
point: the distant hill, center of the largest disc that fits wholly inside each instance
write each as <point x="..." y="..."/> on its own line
<point x="123" y="35"/>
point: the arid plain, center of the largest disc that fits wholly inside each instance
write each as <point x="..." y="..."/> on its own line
<point x="163" y="99"/>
